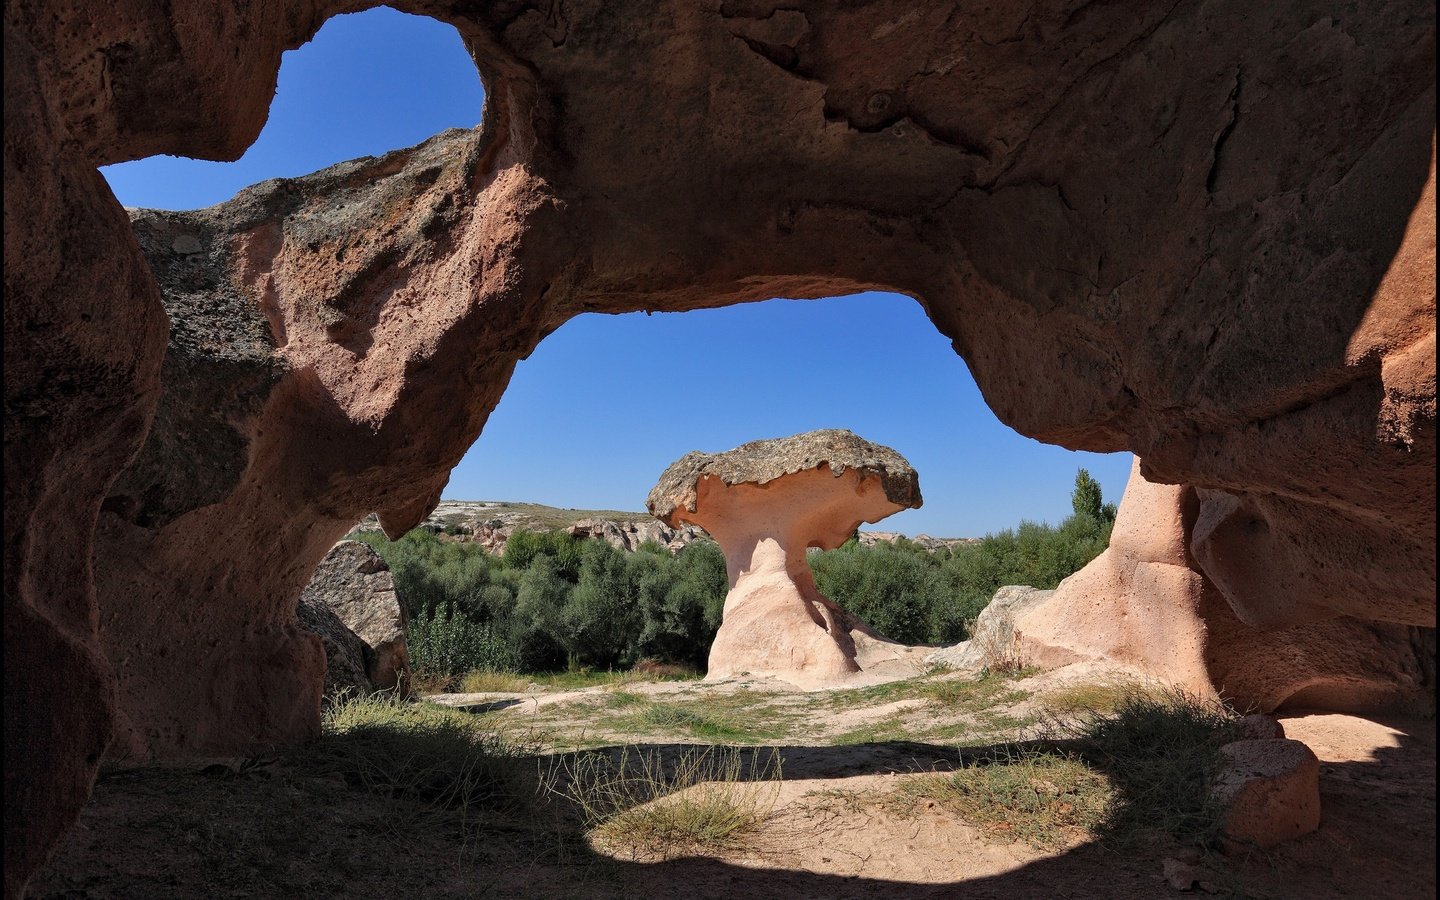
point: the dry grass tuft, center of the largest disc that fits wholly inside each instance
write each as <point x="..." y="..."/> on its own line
<point x="446" y="760"/>
<point x="1161" y="750"/>
<point x="1088" y="697"/>
<point x="1136" y="769"/>
<point x="482" y="681"/>
<point x="710" y="799"/>
<point x="1000" y="652"/>
<point x="1046" y="799"/>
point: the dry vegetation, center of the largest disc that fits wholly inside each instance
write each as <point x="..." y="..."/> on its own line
<point x="630" y="787"/>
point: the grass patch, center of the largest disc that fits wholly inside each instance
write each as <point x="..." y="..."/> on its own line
<point x="1046" y="799"/>
<point x="583" y="678"/>
<point x="1138" y="772"/>
<point x="975" y="694"/>
<point x="623" y="698"/>
<point x="1088" y="697"/>
<point x="981" y="692"/>
<point x="709" y="799"/>
<point x="884" y="731"/>
<point x="444" y="759"/>
<point x="1161" y="752"/>
<point x="696" y="719"/>
<point x="482" y="681"/>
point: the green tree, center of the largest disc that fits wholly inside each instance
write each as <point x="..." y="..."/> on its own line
<point x="1086" y="499"/>
<point x="600" y="623"/>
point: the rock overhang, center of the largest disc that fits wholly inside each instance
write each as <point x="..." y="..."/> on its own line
<point x="764" y="462"/>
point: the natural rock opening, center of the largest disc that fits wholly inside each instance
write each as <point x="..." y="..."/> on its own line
<point x="1201" y="233"/>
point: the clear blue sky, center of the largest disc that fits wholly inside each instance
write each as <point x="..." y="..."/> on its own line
<point x="604" y="404"/>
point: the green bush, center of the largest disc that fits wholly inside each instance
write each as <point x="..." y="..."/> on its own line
<point x="913" y="596"/>
<point x="449" y="642"/>
<point x="551" y="601"/>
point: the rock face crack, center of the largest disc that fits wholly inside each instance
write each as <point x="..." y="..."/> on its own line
<point x="1212" y="178"/>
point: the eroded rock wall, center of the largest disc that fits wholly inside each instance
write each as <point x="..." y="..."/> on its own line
<point x="1203" y="232"/>
<point x="1146" y="603"/>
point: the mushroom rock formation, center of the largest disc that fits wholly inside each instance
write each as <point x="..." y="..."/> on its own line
<point x="1145" y="602"/>
<point x="1202" y="232"/>
<point x="765" y="503"/>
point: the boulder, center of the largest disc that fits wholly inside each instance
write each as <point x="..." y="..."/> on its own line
<point x="1270" y="792"/>
<point x="765" y="503"/>
<point x="353" y="582"/>
<point x="1258" y="727"/>
<point x="345" y="654"/>
<point x="993" y="640"/>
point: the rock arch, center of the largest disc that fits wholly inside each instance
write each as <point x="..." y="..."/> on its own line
<point x="1204" y="233"/>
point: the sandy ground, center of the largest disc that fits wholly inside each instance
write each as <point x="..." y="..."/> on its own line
<point x="265" y="831"/>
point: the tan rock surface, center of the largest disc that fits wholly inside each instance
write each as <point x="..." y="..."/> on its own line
<point x="994" y="637"/>
<point x="354" y="583"/>
<point x="765" y="503"/>
<point x="1201" y="232"/>
<point x="1270" y="791"/>
<point x="1143" y="602"/>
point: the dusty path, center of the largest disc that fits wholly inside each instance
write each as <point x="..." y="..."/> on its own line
<point x="243" y="829"/>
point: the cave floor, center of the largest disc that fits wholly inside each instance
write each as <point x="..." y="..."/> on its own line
<point x="268" y="827"/>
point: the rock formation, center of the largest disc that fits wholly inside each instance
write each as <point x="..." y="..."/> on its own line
<point x="765" y="502"/>
<point x="353" y="582"/>
<point x="1203" y="232"/>
<point x="1146" y="602"/>
<point x="628" y="536"/>
<point x="994" y="638"/>
<point x="345" y="655"/>
<point x="1269" y="791"/>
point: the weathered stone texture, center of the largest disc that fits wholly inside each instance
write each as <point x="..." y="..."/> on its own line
<point x="1147" y="603"/>
<point x="1269" y="791"/>
<point x="1203" y="232"/>
<point x="353" y="582"/>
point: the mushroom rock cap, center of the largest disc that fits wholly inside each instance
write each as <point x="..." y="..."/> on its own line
<point x="760" y="462"/>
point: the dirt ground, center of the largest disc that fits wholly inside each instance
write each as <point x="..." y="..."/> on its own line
<point x="266" y="828"/>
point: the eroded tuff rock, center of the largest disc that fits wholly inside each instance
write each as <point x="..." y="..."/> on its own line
<point x="1269" y="791"/>
<point x="761" y="462"/>
<point x="345" y="655"/>
<point x="1203" y="232"/>
<point x="354" y="583"/>
<point x="765" y="503"/>
<point x="993" y="639"/>
<point x="1144" y="602"/>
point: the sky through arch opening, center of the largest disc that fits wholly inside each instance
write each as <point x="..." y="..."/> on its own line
<point x="605" y="403"/>
<point x="363" y="86"/>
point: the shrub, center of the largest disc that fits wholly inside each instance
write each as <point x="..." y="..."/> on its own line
<point x="451" y="642"/>
<point x="710" y="798"/>
<point x="600" y="623"/>
<point x="893" y="589"/>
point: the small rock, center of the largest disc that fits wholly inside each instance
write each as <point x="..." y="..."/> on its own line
<point x="1258" y="727"/>
<point x="1270" y="791"/>
<point x="1180" y="875"/>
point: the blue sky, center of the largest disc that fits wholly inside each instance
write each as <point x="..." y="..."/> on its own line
<point x="605" y="403"/>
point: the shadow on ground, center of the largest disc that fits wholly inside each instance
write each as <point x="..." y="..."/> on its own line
<point x="274" y="830"/>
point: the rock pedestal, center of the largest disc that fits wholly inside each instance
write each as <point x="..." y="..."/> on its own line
<point x="765" y="503"/>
